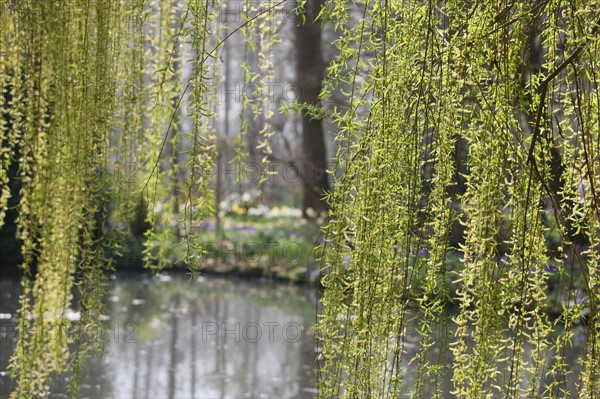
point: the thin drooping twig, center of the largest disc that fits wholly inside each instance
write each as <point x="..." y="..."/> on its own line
<point x="546" y="82"/>
<point x="189" y="82"/>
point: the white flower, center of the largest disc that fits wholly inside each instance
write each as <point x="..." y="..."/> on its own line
<point x="258" y="210"/>
<point x="246" y="197"/>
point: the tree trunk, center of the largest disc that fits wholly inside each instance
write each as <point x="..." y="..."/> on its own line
<point x="309" y="73"/>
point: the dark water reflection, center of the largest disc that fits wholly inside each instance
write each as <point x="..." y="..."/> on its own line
<point x="212" y="338"/>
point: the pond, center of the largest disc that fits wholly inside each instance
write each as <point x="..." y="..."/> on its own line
<point x="169" y="337"/>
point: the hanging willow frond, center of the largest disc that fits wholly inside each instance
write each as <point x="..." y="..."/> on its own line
<point x="434" y="78"/>
<point x="62" y="88"/>
<point x="467" y="131"/>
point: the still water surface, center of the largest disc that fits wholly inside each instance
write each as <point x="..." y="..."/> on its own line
<point x="169" y="337"/>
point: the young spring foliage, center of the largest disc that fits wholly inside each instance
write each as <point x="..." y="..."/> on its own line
<point x="90" y="98"/>
<point x="57" y="68"/>
<point x="424" y="82"/>
<point x="480" y="118"/>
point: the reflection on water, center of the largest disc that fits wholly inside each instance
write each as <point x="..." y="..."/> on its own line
<point x="212" y="338"/>
<point x="222" y="338"/>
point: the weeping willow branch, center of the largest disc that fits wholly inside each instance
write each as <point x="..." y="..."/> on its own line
<point x="189" y="83"/>
<point x="438" y="200"/>
<point x="544" y="88"/>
